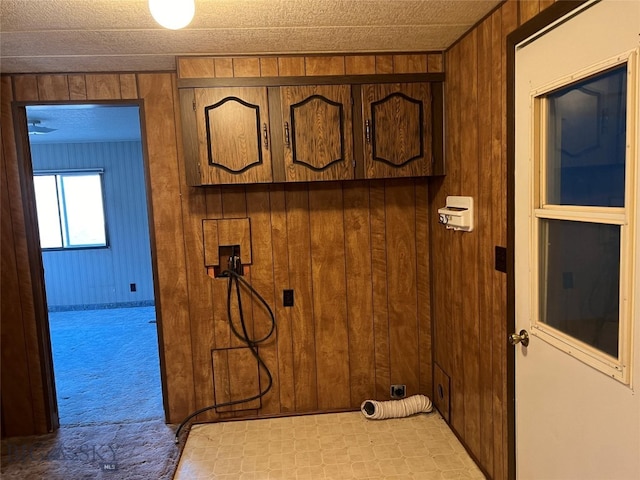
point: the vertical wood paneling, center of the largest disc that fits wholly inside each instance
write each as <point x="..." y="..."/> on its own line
<point x="469" y="245"/>
<point x="25" y="88"/>
<point x="53" y="87"/>
<point x="268" y="66"/>
<point x="324" y="65"/>
<point x="402" y="293"/>
<point x="485" y="245"/>
<point x="218" y="286"/>
<point x="291" y="66"/>
<point x="423" y="272"/>
<point x="528" y="9"/>
<point x="201" y="307"/>
<point x="326" y="221"/>
<point x="380" y="287"/>
<point x="77" y="87"/>
<point x="453" y="306"/>
<point x="384" y="64"/>
<point x="103" y="87"/>
<point x="25" y="387"/>
<point x="262" y="278"/>
<point x="410" y="63"/>
<point x="128" y="88"/>
<point x="17" y="401"/>
<point x="246" y="67"/>
<point x="234" y="205"/>
<point x="301" y="315"/>
<point x="196" y="67"/>
<point x="357" y="230"/>
<point x="280" y="261"/>
<point x="435" y="63"/>
<point x="157" y="91"/>
<point x="223" y="67"/>
<point x="360" y="64"/>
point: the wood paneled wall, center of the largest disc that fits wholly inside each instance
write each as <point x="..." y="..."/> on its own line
<point x="23" y="390"/>
<point x="355" y="253"/>
<point x="469" y="295"/>
<point x="300" y="66"/>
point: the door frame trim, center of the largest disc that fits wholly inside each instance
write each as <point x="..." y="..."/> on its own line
<point x="526" y="30"/>
<point x="25" y="168"/>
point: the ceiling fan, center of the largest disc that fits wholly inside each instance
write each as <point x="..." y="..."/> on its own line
<point x="34" y="128"/>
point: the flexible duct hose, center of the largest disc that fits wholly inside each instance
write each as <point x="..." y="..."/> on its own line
<point x="396" y="408"/>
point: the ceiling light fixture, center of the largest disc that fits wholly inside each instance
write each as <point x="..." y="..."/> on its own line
<point x="34" y="127"/>
<point x="172" y="14"/>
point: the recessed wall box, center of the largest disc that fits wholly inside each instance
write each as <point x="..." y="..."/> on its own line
<point x="457" y="214"/>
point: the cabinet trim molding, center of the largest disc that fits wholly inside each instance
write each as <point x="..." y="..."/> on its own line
<point x="310" y="80"/>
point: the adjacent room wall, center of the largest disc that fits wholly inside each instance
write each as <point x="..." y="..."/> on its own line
<point x="101" y="277"/>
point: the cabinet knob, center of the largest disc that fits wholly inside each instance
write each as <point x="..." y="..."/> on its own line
<point x="266" y="136"/>
<point x="286" y="135"/>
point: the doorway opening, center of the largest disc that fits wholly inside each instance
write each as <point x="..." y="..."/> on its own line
<point x="91" y="201"/>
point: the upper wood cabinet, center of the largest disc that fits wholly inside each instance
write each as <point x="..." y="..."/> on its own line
<point x="309" y="132"/>
<point x="397" y="130"/>
<point x="227" y="133"/>
<point x="318" y="132"/>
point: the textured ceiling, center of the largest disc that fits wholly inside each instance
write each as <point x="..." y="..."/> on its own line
<point x="120" y="35"/>
<point x="85" y="123"/>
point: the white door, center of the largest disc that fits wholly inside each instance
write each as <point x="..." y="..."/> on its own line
<point x="577" y="247"/>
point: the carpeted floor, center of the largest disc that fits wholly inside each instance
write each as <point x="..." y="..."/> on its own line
<point x="109" y="400"/>
<point x="106" y="365"/>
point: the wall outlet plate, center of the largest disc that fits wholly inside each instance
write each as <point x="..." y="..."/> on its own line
<point x="398" y="391"/>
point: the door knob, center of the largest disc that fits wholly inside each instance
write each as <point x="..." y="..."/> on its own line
<point x="522" y="337"/>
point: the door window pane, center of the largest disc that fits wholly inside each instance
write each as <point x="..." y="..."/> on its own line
<point x="586" y="141"/>
<point x="580" y="281"/>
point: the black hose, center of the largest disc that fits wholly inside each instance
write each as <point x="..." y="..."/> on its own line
<point x="235" y="278"/>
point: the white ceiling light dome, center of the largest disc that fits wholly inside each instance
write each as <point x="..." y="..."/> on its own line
<point x="172" y="14"/>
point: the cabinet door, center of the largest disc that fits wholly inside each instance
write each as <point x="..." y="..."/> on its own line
<point x="233" y="135"/>
<point x="397" y="127"/>
<point x="318" y="132"/>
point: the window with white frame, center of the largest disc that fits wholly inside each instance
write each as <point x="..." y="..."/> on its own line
<point x="70" y="208"/>
<point x="582" y="218"/>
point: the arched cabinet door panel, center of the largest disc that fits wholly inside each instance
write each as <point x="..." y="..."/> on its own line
<point x="232" y="135"/>
<point x="318" y="132"/>
<point x="397" y="130"/>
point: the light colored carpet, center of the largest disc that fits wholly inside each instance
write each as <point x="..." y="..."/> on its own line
<point x="106" y="365"/>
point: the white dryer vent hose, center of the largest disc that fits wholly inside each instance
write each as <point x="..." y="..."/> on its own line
<point x="396" y="408"/>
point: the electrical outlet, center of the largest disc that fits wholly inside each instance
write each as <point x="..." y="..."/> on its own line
<point x="501" y="259"/>
<point x="398" y="391"/>
<point x="287" y="298"/>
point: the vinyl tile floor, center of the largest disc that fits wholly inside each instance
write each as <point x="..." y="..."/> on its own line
<point x="336" y="446"/>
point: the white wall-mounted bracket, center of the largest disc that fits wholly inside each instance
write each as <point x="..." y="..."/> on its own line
<point x="457" y="214"/>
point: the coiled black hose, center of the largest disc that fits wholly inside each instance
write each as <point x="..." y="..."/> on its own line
<point x="235" y="278"/>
